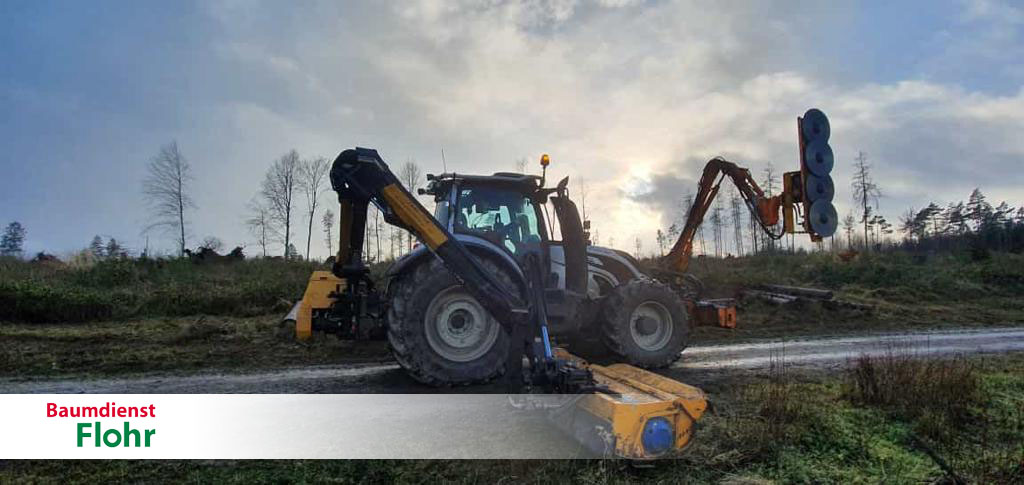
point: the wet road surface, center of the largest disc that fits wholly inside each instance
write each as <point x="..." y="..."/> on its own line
<point x="821" y="353"/>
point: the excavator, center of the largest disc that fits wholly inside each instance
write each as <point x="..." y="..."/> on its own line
<point x="489" y="291"/>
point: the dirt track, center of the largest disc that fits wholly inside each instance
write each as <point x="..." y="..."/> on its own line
<point x="697" y="364"/>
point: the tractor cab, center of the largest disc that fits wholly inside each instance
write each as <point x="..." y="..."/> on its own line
<point x="503" y="209"/>
<point x="510" y="212"/>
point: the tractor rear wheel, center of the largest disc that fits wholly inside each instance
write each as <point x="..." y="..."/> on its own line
<point x="438" y="332"/>
<point x="645" y="323"/>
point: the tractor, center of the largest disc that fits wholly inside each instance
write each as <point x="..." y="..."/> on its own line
<point x="443" y="331"/>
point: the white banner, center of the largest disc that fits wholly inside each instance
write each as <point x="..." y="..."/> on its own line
<point x="226" y="426"/>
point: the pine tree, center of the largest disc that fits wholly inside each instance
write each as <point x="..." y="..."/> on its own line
<point x="291" y="252"/>
<point x="12" y="240"/>
<point x="848" y="222"/>
<point x="97" y="248"/>
<point x="978" y="209"/>
<point x="114" y="249"/>
<point x="956" y="218"/>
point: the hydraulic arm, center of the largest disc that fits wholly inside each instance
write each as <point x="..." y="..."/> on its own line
<point x="361" y="177"/>
<point x="765" y="210"/>
<point x="807" y="192"/>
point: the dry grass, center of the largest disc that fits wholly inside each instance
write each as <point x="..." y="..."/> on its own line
<point x="782" y="402"/>
<point x="939" y="390"/>
<point x="967" y="419"/>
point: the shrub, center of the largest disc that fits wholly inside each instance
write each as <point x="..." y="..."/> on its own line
<point x="937" y="393"/>
<point x="30" y="301"/>
<point x="122" y="288"/>
<point x="783" y="404"/>
<point x="109" y="273"/>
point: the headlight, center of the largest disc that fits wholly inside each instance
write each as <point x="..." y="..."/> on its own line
<point x="658" y="436"/>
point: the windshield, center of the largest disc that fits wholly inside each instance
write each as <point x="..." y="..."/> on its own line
<point x="502" y="216"/>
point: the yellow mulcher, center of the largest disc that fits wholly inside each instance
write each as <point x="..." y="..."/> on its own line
<point x="490" y="290"/>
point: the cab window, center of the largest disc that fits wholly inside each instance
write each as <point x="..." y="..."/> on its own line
<point x="502" y="216"/>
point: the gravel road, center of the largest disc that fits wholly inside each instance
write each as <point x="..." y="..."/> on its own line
<point x="697" y="362"/>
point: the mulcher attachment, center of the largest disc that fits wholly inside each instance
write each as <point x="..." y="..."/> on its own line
<point x="637" y="414"/>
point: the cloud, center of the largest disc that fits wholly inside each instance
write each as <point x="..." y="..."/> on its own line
<point x="629" y="97"/>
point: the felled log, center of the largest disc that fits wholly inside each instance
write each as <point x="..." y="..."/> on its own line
<point x="774" y="298"/>
<point x="815" y="293"/>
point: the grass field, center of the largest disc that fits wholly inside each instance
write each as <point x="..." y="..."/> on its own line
<point x="889" y="420"/>
<point x="902" y="287"/>
<point x="121" y="289"/>
<point x="902" y="291"/>
<point x="178" y="345"/>
<point x="864" y="426"/>
<point x="129" y="316"/>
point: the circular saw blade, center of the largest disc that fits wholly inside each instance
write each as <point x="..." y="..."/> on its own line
<point x="820" y="188"/>
<point x="818" y="157"/>
<point x="815" y="126"/>
<point x="823" y="218"/>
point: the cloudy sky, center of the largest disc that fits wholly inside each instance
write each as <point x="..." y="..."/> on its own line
<point x="632" y="97"/>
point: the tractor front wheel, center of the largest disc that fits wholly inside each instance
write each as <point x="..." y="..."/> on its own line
<point x="438" y="332"/>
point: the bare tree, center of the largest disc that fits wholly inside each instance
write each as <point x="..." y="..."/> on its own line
<point x="690" y="199"/>
<point x="259" y="224"/>
<point x="521" y="165"/>
<point x="661" y="239"/>
<point x="864" y="190"/>
<point x="328" y="223"/>
<point x="583" y="197"/>
<point x="716" y="226"/>
<point x="212" y="243"/>
<point x="736" y="214"/>
<point x="770" y="185"/>
<point x="279" y="186"/>
<point x="376" y="231"/>
<point x="412" y="177"/>
<point x="312" y="174"/>
<point x="396" y="240"/>
<point x="638" y="246"/>
<point x="166" y="188"/>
